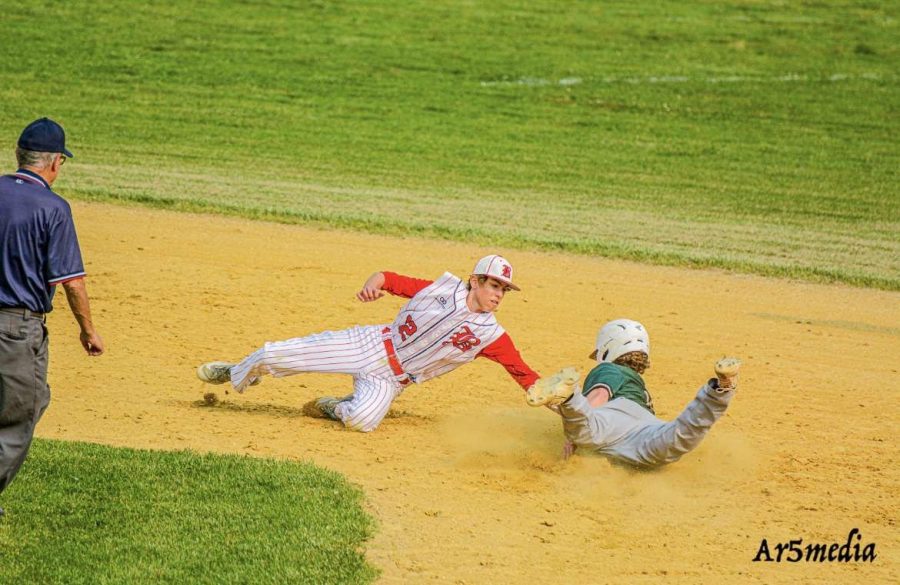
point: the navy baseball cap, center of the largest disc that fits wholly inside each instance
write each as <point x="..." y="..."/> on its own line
<point x="44" y="135"/>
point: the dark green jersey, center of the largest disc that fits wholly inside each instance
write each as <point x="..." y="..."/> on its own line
<point x="620" y="382"/>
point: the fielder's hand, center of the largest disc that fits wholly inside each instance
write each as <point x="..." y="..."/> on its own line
<point x="371" y="290"/>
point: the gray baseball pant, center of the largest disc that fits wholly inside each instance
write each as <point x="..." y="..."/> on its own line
<point x="625" y="432"/>
<point x="24" y="393"/>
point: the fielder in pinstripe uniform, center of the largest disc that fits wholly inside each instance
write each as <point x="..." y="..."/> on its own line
<point x="446" y="323"/>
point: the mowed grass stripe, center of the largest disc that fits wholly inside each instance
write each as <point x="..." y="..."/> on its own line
<point x="643" y="119"/>
<point x="84" y="513"/>
<point x="620" y="231"/>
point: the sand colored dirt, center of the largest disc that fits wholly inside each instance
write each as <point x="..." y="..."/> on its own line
<point x="465" y="480"/>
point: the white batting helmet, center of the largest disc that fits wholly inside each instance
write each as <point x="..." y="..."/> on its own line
<point x="496" y="267"/>
<point x="619" y="337"/>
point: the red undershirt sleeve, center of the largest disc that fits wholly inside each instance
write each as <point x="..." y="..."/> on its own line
<point x="505" y="353"/>
<point x="403" y="286"/>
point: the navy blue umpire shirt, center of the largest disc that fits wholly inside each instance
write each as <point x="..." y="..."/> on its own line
<point x="38" y="245"/>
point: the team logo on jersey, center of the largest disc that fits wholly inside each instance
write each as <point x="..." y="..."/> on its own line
<point x="507" y="271"/>
<point x="442" y="301"/>
<point x="463" y="340"/>
<point x="408" y="328"/>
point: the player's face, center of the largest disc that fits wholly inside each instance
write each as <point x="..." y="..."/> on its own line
<point x="488" y="294"/>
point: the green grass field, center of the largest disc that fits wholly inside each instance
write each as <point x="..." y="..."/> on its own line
<point x="81" y="513"/>
<point x="757" y="136"/>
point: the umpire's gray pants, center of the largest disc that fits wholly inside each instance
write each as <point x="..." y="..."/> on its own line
<point x="628" y="433"/>
<point x="24" y="393"/>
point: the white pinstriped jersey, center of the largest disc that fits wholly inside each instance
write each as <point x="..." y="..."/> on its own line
<point x="435" y="332"/>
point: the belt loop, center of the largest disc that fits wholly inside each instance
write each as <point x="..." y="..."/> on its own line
<point x="29" y="314"/>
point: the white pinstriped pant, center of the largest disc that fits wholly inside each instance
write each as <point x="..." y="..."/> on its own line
<point x="358" y="351"/>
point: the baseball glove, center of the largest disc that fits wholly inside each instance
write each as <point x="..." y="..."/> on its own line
<point x="554" y="389"/>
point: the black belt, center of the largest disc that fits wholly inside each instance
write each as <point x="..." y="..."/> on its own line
<point x="25" y="313"/>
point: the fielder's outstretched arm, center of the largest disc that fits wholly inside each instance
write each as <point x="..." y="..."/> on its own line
<point x="504" y="352"/>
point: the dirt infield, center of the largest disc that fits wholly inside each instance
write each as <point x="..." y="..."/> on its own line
<point x="465" y="480"/>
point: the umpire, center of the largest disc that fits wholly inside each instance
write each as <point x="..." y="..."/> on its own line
<point x="38" y="250"/>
